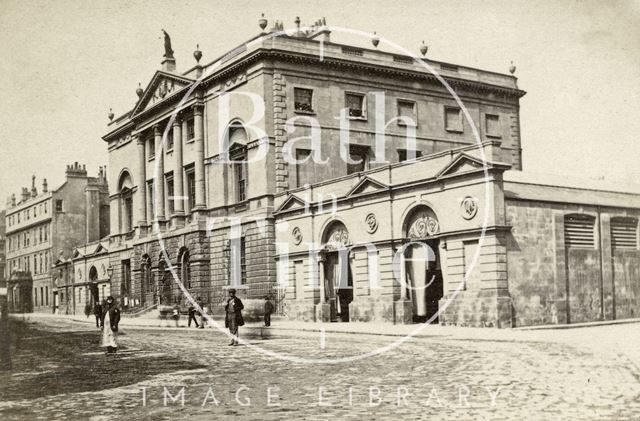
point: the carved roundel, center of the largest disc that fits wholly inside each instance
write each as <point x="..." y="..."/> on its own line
<point x="297" y="236"/>
<point x="79" y="274"/>
<point x="103" y="269"/>
<point x="372" y="223"/>
<point x="469" y="207"/>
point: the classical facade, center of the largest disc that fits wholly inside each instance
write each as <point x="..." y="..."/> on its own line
<point x="350" y="183"/>
<point x="45" y="227"/>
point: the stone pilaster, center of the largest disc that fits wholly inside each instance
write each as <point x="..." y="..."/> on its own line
<point x="142" y="185"/>
<point x="178" y="190"/>
<point x="279" y="119"/>
<point x="158" y="176"/>
<point x="198" y="121"/>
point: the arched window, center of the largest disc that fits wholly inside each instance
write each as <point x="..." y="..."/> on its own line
<point x="145" y="275"/>
<point x="237" y="139"/>
<point x="185" y="269"/>
<point x="125" y="186"/>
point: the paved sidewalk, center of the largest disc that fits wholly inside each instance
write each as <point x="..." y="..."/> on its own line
<point x="610" y="339"/>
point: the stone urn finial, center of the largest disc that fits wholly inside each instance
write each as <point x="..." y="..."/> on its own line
<point x="262" y="22"/>
<point x="424" y="48"/>
<point x="139" y="91"/>
<point x="110" y="115"/>
<point x="512" y="68"/>
<point x="197" y="54"/>
<point x="375" y="40"/>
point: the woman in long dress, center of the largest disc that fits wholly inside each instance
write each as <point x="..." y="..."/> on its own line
<point x="110" y="319"/>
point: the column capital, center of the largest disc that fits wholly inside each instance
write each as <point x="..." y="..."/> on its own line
<point x="198" y="109"/>
<point x="177" y="121"/>
<point x="139" y="139"/>
<point x="157" y="129"/>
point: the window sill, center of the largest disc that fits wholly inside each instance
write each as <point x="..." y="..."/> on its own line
<point x="151" y="158"/>
<point x="363" y="118"/>
<point x="493" y="136"/>
<point x="190" y="140"/>
<point x="454" y="130"/>
<point x="403" y="124"/>
<point x="305" y="112"/>
<point x="240" y="206"/>
<point x="168" y="151"/>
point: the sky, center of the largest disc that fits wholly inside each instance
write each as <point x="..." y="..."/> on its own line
<point x="66" y="63"/>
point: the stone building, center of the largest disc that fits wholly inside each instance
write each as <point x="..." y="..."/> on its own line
<point x="356" y="188"/>
<point x="45" y="227"/>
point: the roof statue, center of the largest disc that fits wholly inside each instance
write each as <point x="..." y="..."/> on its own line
<point x="168" y="52"/>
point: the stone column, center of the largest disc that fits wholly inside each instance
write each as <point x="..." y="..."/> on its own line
<point x="142" y="184"/>
<point x="198" y="123"/>
<point x="178" y="190"/>
<point x="158" y="175"/>
<point x="321" y="279"/>
<point x="403" y="279"/>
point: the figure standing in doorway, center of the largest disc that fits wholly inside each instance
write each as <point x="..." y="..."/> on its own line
<point x="233" y="316"/>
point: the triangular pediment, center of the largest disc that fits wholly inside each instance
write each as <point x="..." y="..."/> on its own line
<point x="462" y="164"/>
<point x="76" y="253"/>
<point x="367" y="185"/>
<point x="292" y="202"/>
<point x="163" y="85"/>
<point x="100" y="249"/>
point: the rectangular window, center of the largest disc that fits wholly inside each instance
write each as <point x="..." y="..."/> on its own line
<point x="191" y="133"/>
<point x="240" y="170"/>
<point x="35" y="296"/>
<point x="243" y="261"/>
<point x="361" y="157"/>
<point x="492" y="125"/>
<point x="190" y="179"/>
<point x="45" y="207"/>
<point x="35" y="213"/>
<point x="127" y="206"/>
<point x="170" y="140"/>
<point x="453" y="119"/>
<point x="41" y="296"/>
<point x="303" y="99"/>
<point x="408" y="155"/>
<point x="150" y="200"/>
<point x="170" y="193"/>
<point x="356" y="105"/>
<point x="46" y="295"/>
<point x="304" y="171"/>
<point x="407" y="114"/>
<point x="58" y="205"/>
<point x="151" y="147"/>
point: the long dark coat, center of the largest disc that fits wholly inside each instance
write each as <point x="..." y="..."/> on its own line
<point x="239" y="306"/>
<point x="114" y="316"/>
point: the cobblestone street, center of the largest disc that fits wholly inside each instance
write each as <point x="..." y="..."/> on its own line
<point x="61" y="373"/>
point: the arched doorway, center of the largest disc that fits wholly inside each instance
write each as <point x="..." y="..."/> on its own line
<point x="145" y="279"/>
<point x="338" y="276"/>
<point x="422" y="263"/>
<point x="164" y="283"/>
<point x="93" y="285"/>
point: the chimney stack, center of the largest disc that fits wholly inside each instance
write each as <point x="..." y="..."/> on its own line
<point x="25" y="194"/>
<point x="34" y="191"/>
<point x="13" y="199"/>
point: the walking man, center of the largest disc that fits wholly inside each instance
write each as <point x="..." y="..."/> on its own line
<point x="268" y="309"/>
<point x="192" y="313"/>
<point x="233" y="316"/>
<point x="97" y="311"/>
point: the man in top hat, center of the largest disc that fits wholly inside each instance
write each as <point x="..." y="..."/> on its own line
<point x="233" y="316"/>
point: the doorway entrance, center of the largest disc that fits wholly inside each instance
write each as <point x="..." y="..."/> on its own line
<point x="422" y="264"/>
<point x="338" y="275"/>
